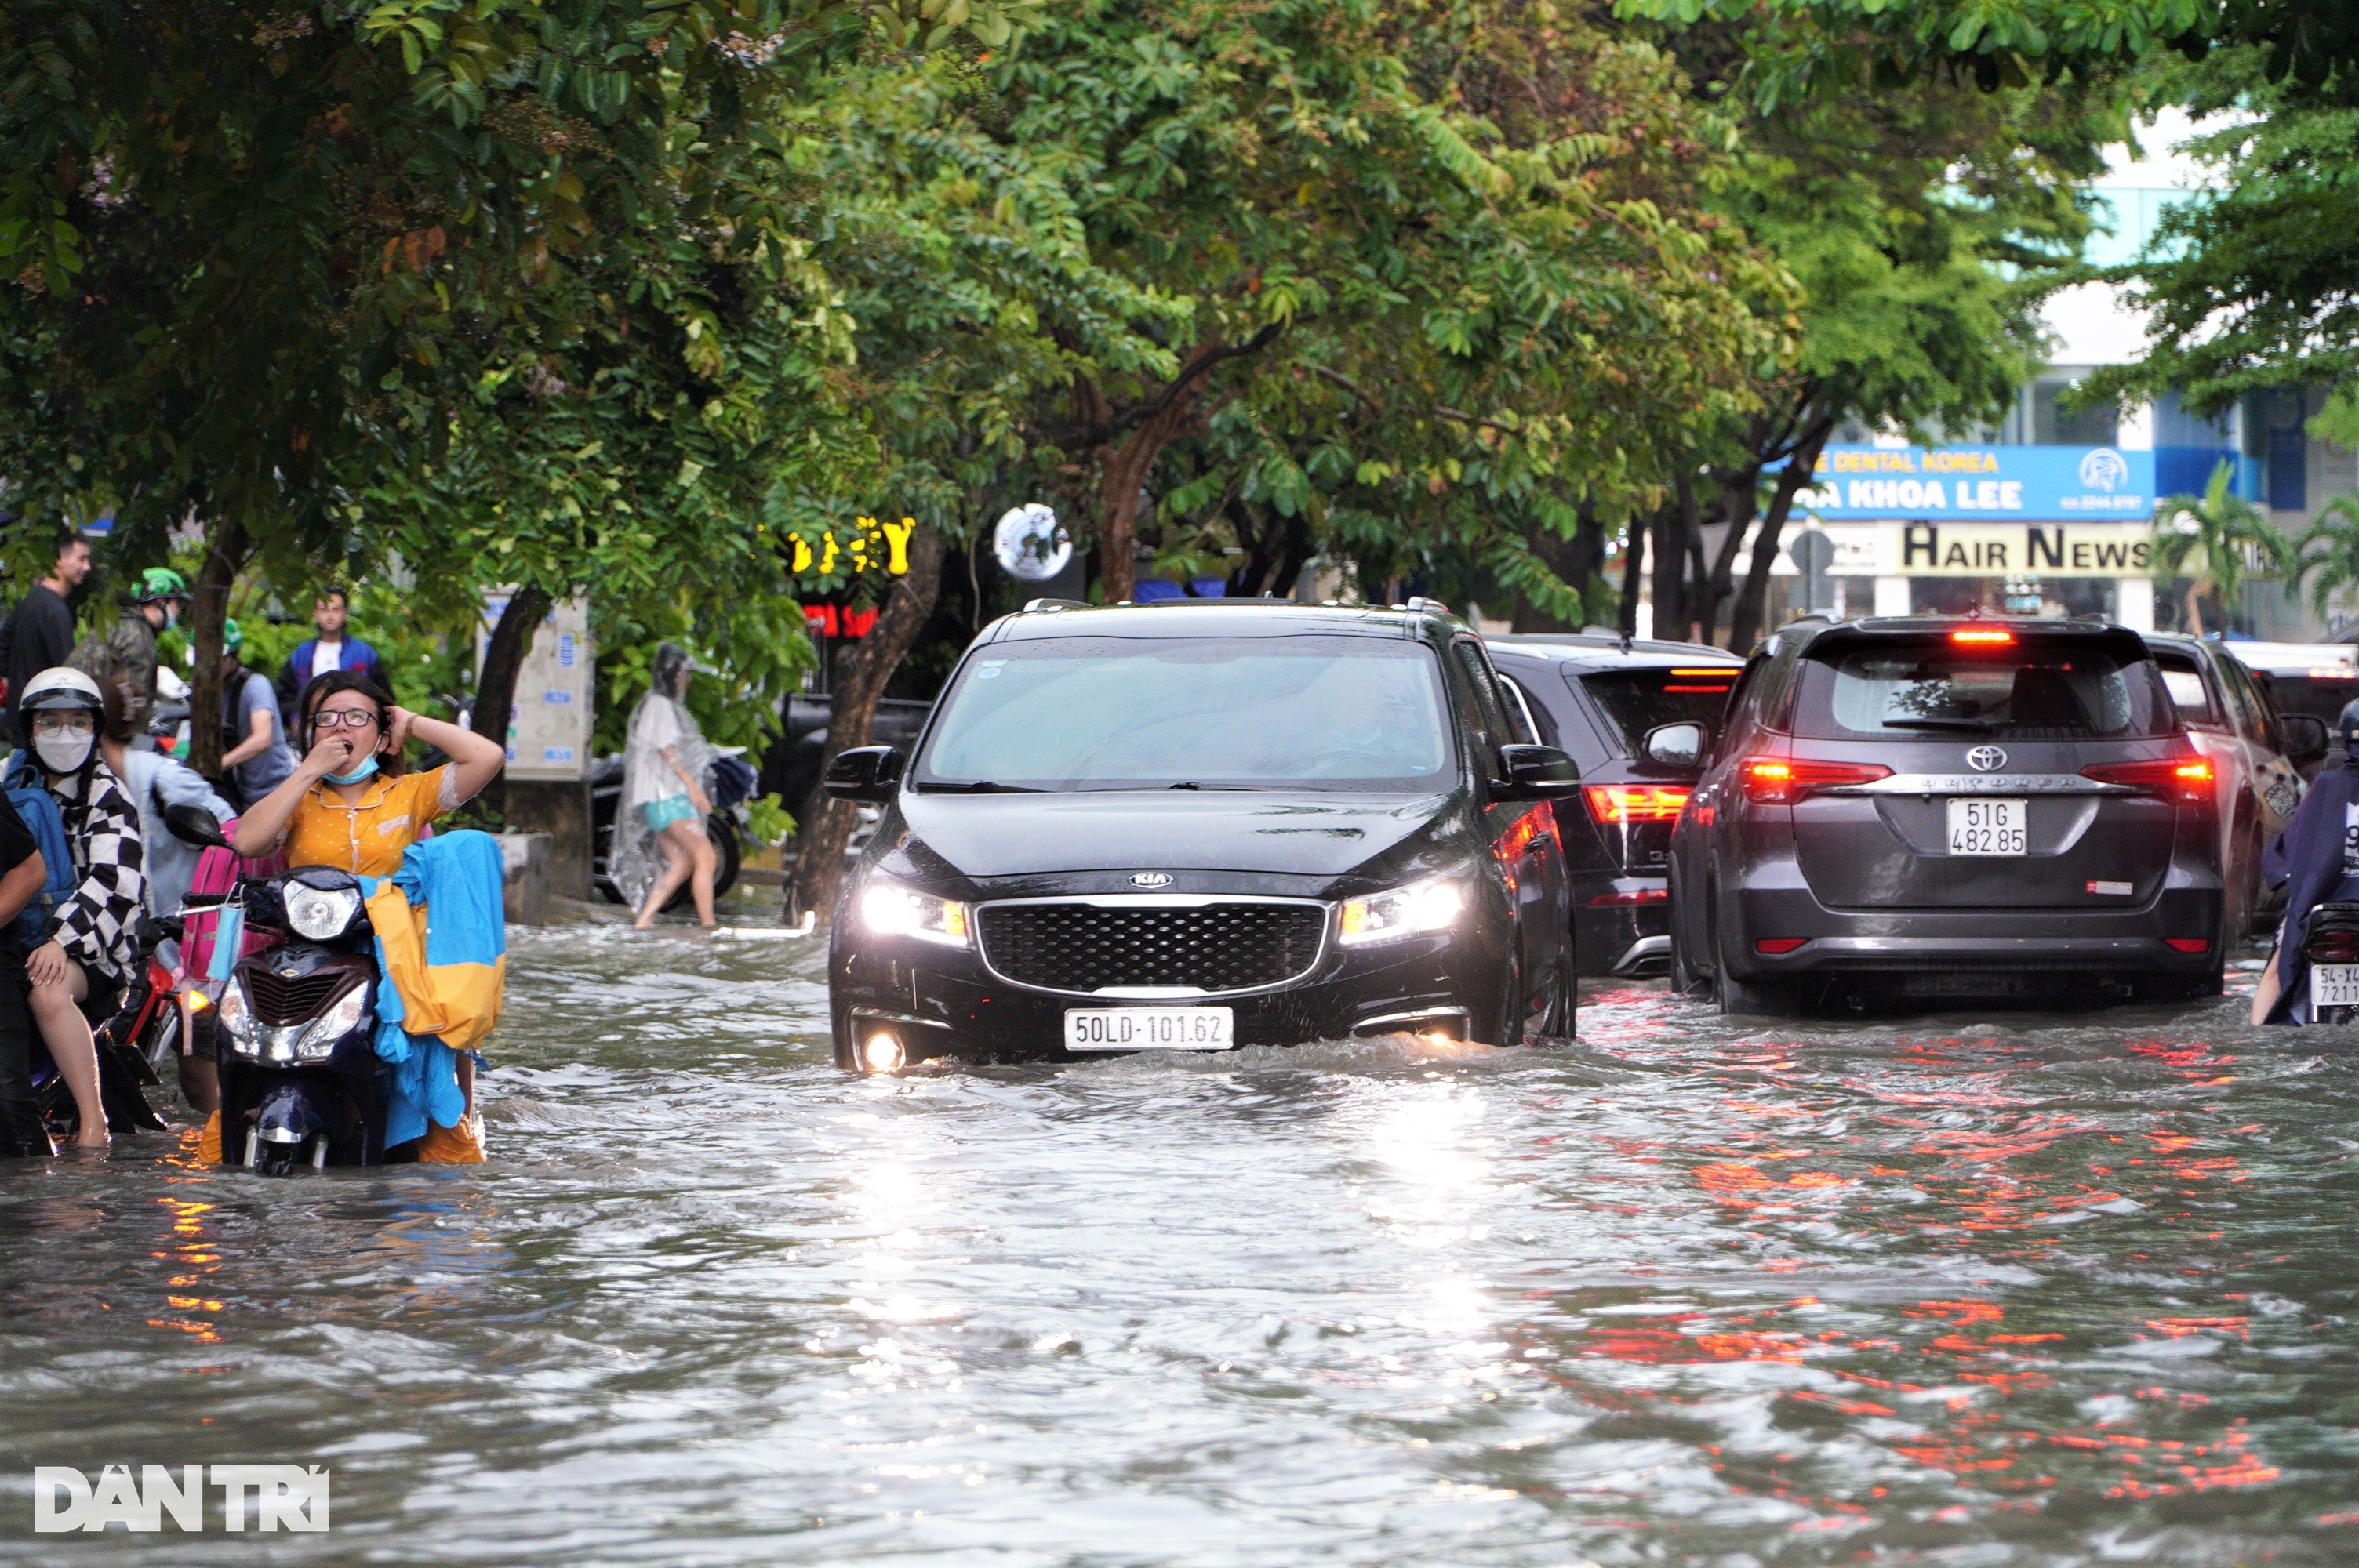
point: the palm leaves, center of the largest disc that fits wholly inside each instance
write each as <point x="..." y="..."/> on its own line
<point x="2328" y="551"/>
<point x="2206" y="538"/>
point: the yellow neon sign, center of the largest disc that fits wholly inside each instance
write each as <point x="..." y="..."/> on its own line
<point x="874" y="544"/>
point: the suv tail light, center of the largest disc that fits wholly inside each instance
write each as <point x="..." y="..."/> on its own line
<point x="2185" y="779"/>
<point x="1781" y="780"/>
<point x="1634" y="803"/>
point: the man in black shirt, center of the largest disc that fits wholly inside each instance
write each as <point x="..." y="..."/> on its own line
<point x="41" y="633"/>
<point x="21" y="876"/>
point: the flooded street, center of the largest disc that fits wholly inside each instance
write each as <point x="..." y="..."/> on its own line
<point x="1969" y="1289"/>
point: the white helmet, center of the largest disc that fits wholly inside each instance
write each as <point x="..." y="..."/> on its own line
<point x="63" y="688"/>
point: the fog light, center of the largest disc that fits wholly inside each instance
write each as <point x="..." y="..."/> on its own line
<point x="880" y="1052"/>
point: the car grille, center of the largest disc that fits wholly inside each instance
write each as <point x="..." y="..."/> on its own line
<point x="1092" y="947"/>
<point x="278" y="1001"/>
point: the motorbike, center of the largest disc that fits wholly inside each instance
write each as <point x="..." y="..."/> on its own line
<point x="298" y="1026"/>
<point x="132" y="1046"/>
<point x="2330" y="944"/>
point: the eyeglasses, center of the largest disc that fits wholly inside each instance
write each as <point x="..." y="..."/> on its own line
<point x="63" y="724"/>
<point x="343" y="718"/>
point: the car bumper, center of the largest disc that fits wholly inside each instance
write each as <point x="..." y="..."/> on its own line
<point x="1622" y="925"/>
<point x="946" y="1004"/>
<point x="2123" y="942"/>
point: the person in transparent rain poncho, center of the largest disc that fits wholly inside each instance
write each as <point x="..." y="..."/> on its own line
<point x="659" y="840"/>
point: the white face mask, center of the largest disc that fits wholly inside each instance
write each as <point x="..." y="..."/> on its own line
<point x="64" y="751"/>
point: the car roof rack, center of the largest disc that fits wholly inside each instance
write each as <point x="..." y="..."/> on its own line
<point x="1419" y="603"/>
<point x="1050" y="606"/>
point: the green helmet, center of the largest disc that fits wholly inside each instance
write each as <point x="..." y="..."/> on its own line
<point x="159" y="583"/>
<point x="232" y="638"/>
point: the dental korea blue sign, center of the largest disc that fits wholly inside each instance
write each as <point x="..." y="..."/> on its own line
<point x="1983" y="484"/>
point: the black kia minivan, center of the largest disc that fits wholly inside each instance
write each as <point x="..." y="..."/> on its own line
<point x="1198" y="825"/>
<point x="1945" y="807"/>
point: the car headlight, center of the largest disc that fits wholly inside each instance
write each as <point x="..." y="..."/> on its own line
<point x="237" y="1019"/>
<point x="318" y="1041"/>
<point x="321" y="914"/>
<point x="1432" y="905"/>
<point x="888" y="909"/>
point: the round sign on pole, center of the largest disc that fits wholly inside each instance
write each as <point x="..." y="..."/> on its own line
<point x="1030" y="544"/>
<point x="1811" y="552"/>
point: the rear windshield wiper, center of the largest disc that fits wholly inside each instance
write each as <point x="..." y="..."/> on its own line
<point x="1969" y="726"/>
<point x="978" y="786"/>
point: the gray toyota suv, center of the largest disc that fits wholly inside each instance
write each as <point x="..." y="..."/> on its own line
<point x="1945" y="807"/>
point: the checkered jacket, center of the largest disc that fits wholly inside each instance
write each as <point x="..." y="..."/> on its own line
<point x="98" y="925"/>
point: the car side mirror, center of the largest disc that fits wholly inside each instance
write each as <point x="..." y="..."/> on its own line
<point x="1536" y="772"/>
<point x="2304" y="735"/>
<point x="869" y="774"/>
<point x="192" y="824"/>
<point x="1675" y="747"/>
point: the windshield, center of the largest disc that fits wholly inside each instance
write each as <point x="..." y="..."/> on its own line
<point x="1089" y="713"/>
<point x="1634" y="701"/>
<point x="2035" y="689"/>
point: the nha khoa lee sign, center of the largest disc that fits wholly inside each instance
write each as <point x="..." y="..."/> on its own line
<point x="2060" y="484"/>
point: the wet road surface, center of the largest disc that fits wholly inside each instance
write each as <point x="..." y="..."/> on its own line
<point x="1967" y="1288"/>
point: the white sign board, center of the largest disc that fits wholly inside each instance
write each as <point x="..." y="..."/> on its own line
<point x="548" y="728"/>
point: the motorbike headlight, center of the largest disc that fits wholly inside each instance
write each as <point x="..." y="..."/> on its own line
<point x="237" y="1020"/>
<point x="890" y="909"/>
<point x="321" y="914"/>
<point x="1432" y="905"/>
<point x="318" y="1041"/>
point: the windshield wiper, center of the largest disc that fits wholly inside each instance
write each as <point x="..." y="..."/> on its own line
<point x="1969" y="726"/>
<point x="978" y="786"/>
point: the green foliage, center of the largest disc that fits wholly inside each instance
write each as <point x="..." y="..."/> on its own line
<point x="2326" y="556"/>
<point x="2207" y="537"/>
<point x="768" y="822"/>
<point x="2257" y="286"/>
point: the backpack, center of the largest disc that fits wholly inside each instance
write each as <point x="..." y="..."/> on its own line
<point x="39" y="809"/>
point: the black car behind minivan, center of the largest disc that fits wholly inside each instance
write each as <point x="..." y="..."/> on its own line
<point x="1201" y="825"/>
<point x="1946" y="808"/>
<point x="1597" y="696"/>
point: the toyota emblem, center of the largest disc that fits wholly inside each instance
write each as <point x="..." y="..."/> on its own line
<point x="1150" y="879"/>
<point x="1985" y="758"/>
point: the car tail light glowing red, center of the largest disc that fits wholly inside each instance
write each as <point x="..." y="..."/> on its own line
<point x="1635" y="802"/>
<point x="1781" y="780"/>
<point x="2188" y="944"/>
<point x="1981" y="637"/>
<point x="2187" y="779"/>
<point x="1778" y="944"/>
<point x="1630" y="895"/>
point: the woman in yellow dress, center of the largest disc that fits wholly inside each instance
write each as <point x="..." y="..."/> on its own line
<point x="351" y="804"/>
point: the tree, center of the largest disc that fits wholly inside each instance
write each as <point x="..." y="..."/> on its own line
<point x="295" y="273"/>
<point x="2326" y="556"/>
<point x="2206" y="538"/>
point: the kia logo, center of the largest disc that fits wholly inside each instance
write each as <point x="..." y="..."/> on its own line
<point x="1985" y="759"/>
<point x="1150" y="879"/>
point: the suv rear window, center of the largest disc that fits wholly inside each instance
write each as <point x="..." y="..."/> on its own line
<point x="1634" y="701"/>
<point x="2034" y="688"/>
<point x="2185" y="684"/>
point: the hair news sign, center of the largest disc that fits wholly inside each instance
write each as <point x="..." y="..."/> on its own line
<point x="1981" y="484"/>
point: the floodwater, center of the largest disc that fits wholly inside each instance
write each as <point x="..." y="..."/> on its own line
<point x="1969" y="1289"/>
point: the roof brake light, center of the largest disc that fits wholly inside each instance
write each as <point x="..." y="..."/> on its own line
<point x="1981" y="637"/>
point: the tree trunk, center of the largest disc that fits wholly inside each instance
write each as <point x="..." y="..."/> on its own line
<point x="861" y="672"/>
<point x="2194" y="612"/>
<point x="1633" y="562"/>
<point x="223" y="560"/>
<point x="511" y="639"/>
<point x="1674" y="527"/>
<point x="1574" y="561"/>
<point x="1750" y="617"/>
<point x="1739" y="503"/>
